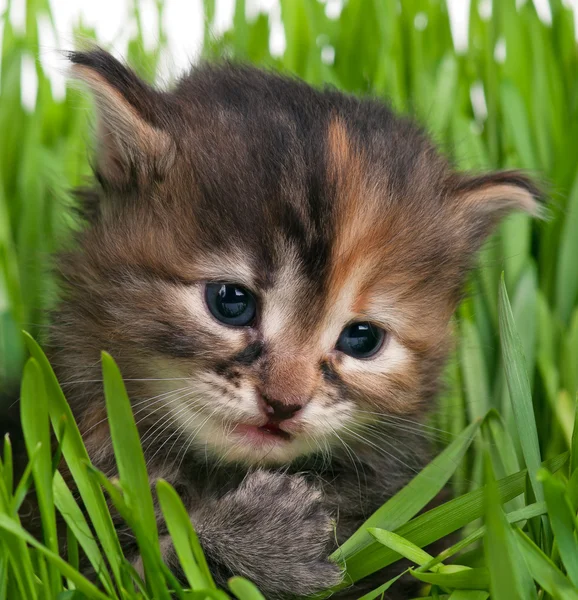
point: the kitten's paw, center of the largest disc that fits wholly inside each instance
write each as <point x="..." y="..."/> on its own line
<point x="282" y="535"/>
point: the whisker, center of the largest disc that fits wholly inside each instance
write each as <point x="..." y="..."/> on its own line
<point x="351" y="455"/>
<point x="378" y="436"/>
<point x="223" y="458"/>
<point x="79" y="381"/>
<point x="381" y="450"/>
<point x="134" y="413"/>
<point x="181" y="428"/>
<point x="398" y="418"/>
<point x="192" y="437"/>
<point x="163" y="395"/>
<point x="406" y="428"/>
<point x="171" y="415"/>
<point x="164" y="403"/>
<point x="174" y="419"/>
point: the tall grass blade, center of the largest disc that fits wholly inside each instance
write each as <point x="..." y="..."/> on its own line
<point x="184" y="538"/>
<point x="509" y="577"/>
<point x="413" y="497"/>
<point x="519" y="388"/>
<point x="34" y="409"/>
<point x="563" y="520"/>
<point x="544" y="570"/>
<point x="76" y="458"/>
<point x="132" y="469"/>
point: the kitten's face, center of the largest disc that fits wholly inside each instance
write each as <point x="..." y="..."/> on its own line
<point x="274" y="268"/>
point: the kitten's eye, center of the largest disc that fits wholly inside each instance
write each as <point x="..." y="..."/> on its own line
<point x="230" y="303"/>
<point x="361" y="340"/>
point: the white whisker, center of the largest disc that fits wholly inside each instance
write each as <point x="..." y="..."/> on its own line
<point x="192" y="437"/>
<point x="381" y="450"/>
<point x="171" y="417"/>
<point x="389" y="417"/>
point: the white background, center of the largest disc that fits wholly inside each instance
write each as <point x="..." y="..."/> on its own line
<point x="183" y="24"/>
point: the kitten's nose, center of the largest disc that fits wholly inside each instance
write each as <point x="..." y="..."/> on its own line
<point x="279" y="411"/>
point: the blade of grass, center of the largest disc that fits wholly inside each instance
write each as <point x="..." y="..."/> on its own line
<point x="439" y="522"/>
<point x="74" y="518"/>
<point x="25" y="481"/>
<point x="502" y="450"/>
<point x="379" y="591"/>
<point x="76" y="457"/>
<point x="150" y="554"/>
<point x="574" y="443"/>
<point x="34" y="410"/>
<point x="87" y="588"/>
<point x="562" y="518"/>
<point x="544" y="570"/>
<point x="401" y="546"/>
<point x="413" y="497"/>
<point x="516" y="121"/>
<point x="519" y="387"/>
<point x="509" y="578"/>
<point x="244" y="589"/>
<point x="8" y="465"/>
<point x="72" y="555"/>
<point x="132" y="469"/>
<point x="184" y="538"/>
<point x="474" y="371"/>
<point x="566" y="273"/>
<point x="569" y="358"/>
<point x="523" y="514"/>
<point x="463" y="579"/>
<point x="3" y="572"/>
<point x="16" y="551"/>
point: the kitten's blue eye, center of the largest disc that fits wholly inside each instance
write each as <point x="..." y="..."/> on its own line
<point x="361" y="339"/>
<point x="230" y="303"/>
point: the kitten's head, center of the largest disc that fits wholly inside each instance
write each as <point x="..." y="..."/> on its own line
<point x="273" y="266"/>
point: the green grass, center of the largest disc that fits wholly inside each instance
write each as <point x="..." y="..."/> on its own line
<point x="510" y="401"/>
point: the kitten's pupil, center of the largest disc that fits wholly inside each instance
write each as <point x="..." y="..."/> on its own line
<point x="233" y="301"/>
<point x="361" y="339"/>
<point x="230" y="303"/>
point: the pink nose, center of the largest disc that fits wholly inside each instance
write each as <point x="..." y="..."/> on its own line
<point x="279" y="411"/>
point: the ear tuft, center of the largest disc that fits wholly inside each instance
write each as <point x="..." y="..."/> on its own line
<point x="494" y="195"/>
<point x="131" y="144"/>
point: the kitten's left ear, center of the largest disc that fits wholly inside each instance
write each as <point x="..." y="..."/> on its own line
<point x="483" y="200"/>
<point x="132" y="143"/>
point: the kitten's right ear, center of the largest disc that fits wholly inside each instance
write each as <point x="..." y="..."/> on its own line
<point x="131" y="145"/>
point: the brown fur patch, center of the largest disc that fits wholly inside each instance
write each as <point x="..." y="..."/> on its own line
<point x="355" y="204"/>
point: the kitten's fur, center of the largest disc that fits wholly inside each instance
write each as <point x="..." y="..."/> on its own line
<point x="329" y="208"/>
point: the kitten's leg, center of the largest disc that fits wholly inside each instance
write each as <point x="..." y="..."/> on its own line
<point x="274" y="530"/>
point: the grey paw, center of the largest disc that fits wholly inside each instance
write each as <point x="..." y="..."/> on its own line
<point x="276" y="532"/>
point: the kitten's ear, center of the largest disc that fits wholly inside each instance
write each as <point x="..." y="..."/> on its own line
<point x="131" y="144"/>
<point x="483" y="200"/>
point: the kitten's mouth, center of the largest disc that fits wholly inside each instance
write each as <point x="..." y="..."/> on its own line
<point x="260" y="434"/>
<point x="274" y="429"/>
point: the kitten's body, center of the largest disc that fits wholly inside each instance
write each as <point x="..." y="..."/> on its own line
<point x="332" y="211"/>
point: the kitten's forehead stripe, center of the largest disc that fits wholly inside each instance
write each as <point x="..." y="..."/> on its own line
<point x="358" y="215"/>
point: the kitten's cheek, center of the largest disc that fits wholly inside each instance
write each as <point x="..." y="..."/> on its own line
<point x="392" y="360"/>
<point x="387" y="382"/>
<point x="322" y="417"/>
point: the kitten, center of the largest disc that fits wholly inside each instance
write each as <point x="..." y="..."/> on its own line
<point x="274" y="268"/>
